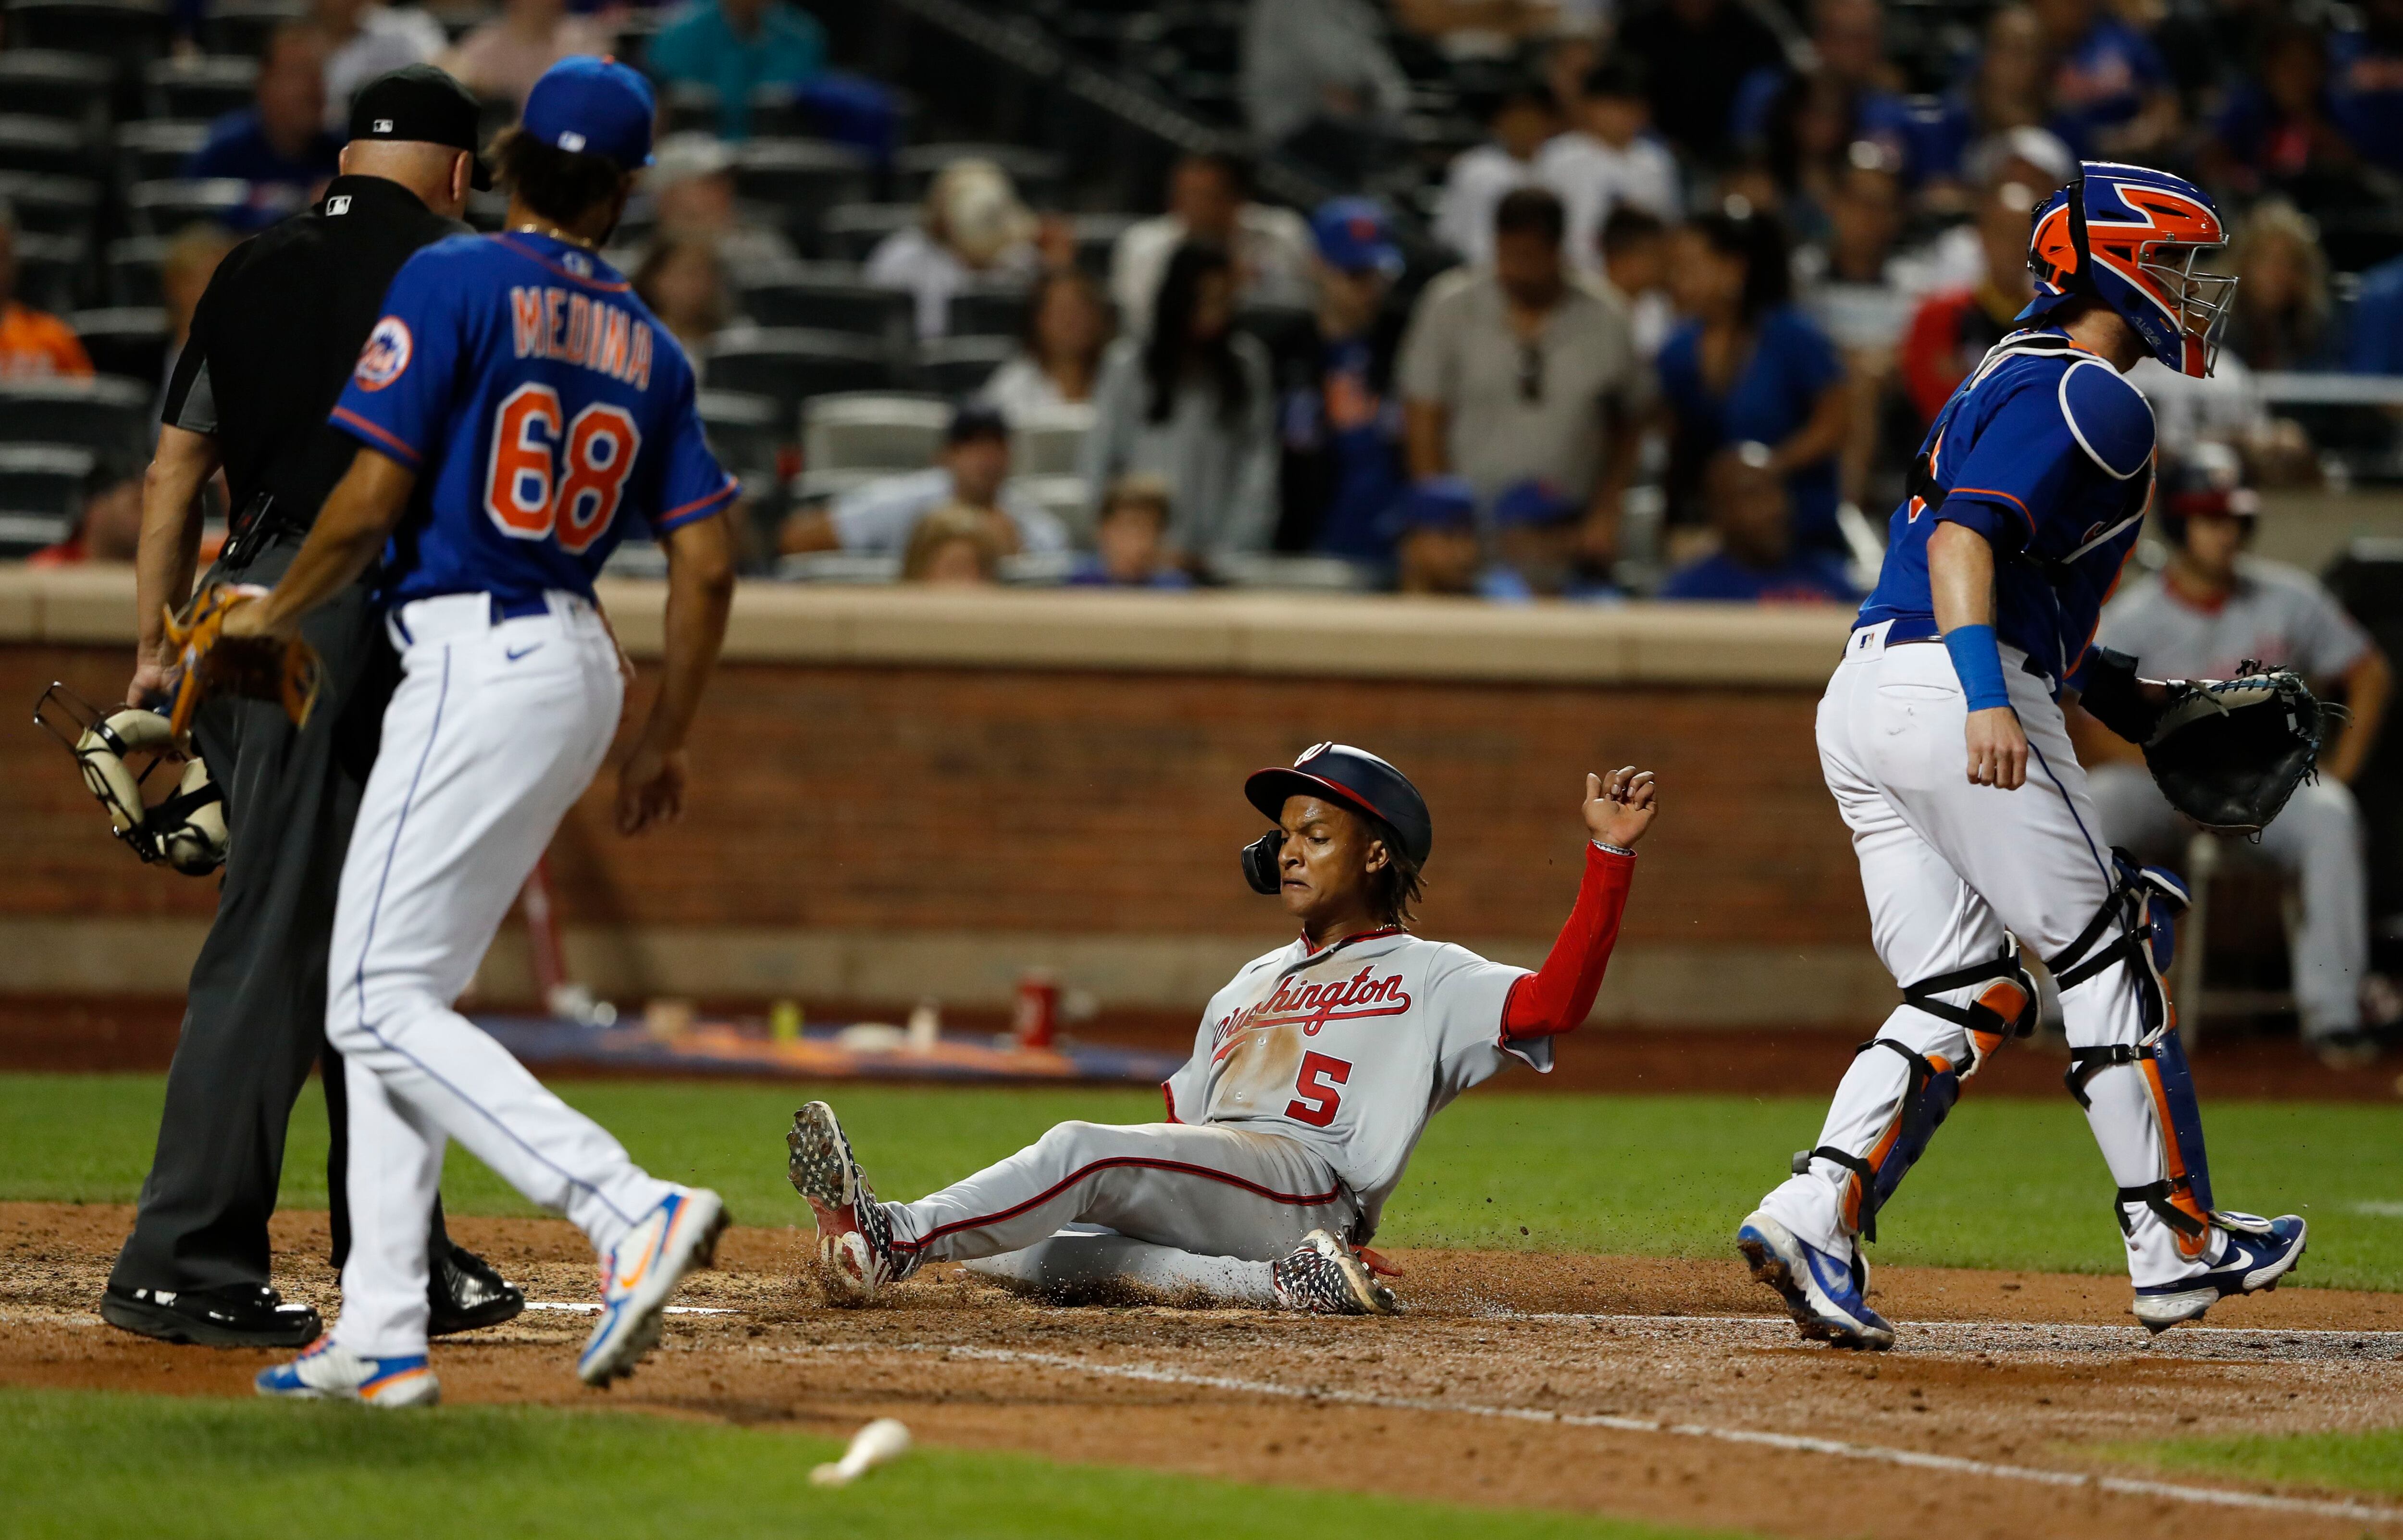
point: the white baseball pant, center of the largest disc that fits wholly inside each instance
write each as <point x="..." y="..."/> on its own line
<point x="496" y="730"/>
<point x="2318" y="838"/>
<point x="1946" y="866"/>
<point x="1214" y="1189"/>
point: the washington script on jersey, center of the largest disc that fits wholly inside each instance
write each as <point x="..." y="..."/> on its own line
<point x="1312" y="1006"/>
<point x="553" y="323"/>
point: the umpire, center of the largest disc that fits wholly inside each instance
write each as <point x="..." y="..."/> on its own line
<point x="272" y="341"/>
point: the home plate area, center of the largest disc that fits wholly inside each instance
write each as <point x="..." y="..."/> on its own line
<point x="1644" y="1387"/>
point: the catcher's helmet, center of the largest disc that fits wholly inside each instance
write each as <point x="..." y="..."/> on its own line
<point x="2127" y="237"/>
<point x="1353" y="778"/>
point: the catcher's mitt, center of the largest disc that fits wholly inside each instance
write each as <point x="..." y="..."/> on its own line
<point x="214" y="664"/>
<point x="185" y="828"/>
<point x="2227" y="753"/>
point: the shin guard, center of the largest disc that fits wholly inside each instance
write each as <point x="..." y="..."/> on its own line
<point x="1929" y="1091"/>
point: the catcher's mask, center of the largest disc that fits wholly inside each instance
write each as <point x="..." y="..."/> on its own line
<point x="2128" y="237"/>
<point x="187" y="827"/>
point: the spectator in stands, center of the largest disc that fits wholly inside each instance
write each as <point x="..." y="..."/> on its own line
<point x="682" y="280"/>
<point x="109" y="529"/>
<point x="280" y="144"/>
<point x="2110" y="93"/>
<point x="1747" y="365"/>
<point x="363" y="40"/>
<point x="1697" y="54"/>
<point x="2279" y="318"/>
<point x="1192" y="403"/>
<point x="973" y="230"/>
<point x="2275" y="131"/>
<point x="2374" y="344"/>
<point x="1318" y="81"/>
<point x="971" y="471"/>
<point x="735" y="46"/>
<point x="1757" y="561"/>
<point x="1863" y="299"/>
<point x="954" y="547"/>
<point x="1060" y="356"/>
<point x="1130" y="540"/>
<point x="2032" y="158"/>
<point x="1608" y="159"/>
<point x="1635" y="265"/>
<point x="1436" y="548"/>
<point x="2200" y="617"/>
<point x="2004" y="91"/>
<point x="1540" y="550"/>
<point x="185" y="269"/>
<point x="1338" y="416"/>
<point x="1852" y="75"/>
<point x="1523" y="372"/>
<point x="1522" y="119"/>
<point x="2365" y="82"/>
<point x="33" y="343"/>
<point x="691" y="184"/>
<point x="501" y="60"/>
<point x="1953" y="330"/>
<point x="1209" y="200"/>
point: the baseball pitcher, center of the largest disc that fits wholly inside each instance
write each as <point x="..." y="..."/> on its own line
<point x="1942" y="739"/>
<point x="1314" y="1072"/>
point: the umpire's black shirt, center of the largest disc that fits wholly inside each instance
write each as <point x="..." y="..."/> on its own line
<point x="278" y="330"/>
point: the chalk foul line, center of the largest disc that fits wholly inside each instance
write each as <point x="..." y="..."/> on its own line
<point x="1952" y="1465"/>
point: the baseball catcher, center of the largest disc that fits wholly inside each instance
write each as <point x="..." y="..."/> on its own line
<point x="1314" y="1072"/>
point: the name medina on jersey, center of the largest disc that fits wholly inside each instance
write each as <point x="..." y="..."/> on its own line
<point x="1312" y="1006"/>
<point x="552" y="323"/>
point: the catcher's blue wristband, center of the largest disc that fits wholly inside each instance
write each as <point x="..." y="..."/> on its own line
<point x="1979" y="663"/>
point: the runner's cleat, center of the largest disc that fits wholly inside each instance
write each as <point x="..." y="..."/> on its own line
<point x="855" y="1251"/>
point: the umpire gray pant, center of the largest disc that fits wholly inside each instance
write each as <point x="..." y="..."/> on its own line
<point x="255" y="1016"/>
<point x="1209" y="1189"/>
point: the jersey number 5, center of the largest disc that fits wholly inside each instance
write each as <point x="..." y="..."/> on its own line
<point x="1314" y="1095"/>
<point x="543" y="481"/>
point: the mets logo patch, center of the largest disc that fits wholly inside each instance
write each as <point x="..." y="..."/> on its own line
<point x="385" y="356"/>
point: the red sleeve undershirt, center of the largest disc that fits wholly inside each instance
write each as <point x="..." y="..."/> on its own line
<point x="1557" y="997"/>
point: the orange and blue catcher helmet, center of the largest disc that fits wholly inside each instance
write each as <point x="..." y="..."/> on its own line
<point x="2128" y="237"/>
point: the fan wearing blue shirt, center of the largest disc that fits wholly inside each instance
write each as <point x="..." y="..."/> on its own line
<point x="1756" y="562"/>
<point x="279" y="144"/>
<point x="519" y="411"/>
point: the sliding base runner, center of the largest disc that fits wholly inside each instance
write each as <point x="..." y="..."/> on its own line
<point x="1313" y="1074"/>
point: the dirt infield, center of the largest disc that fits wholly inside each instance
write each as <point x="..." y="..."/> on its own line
<point x="1640" y="1387"/>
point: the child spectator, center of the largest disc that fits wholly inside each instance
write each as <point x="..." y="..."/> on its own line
<point x="501" y="60"/>
<point x="974" y="229"/>
<point x="971" y="471"/>
<point x="1192" y="403"/>
<point x="1756" y="562"/>
<point x="1608" y="159"/>
<point x="1060" y="356"/>
<point x="279" y="144"/>
<point x="1130" y="540"/>
<point x="1434" y="529"/>
<point x="1747" y="365"/>
<point x="1635" y="264"/>
<point x="680" y="279"/>
<point x="1521" y="119"/>
<point x="952" y="548"/>
<point x="33" y="343"/>
<point x="1338" y="417"/>
<point x="735" y="46"/>
<point x="1539" y="549"/>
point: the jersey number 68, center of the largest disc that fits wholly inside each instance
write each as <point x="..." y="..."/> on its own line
<point x="543" y="483"/>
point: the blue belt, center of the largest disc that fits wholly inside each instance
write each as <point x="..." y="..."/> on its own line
<point x="518" y="609"/>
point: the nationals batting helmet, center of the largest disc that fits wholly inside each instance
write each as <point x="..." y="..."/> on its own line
<point x="1352" y="778"/>
<point x="2128" y="237"/>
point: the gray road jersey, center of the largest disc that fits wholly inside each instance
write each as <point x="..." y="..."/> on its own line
<point x="2278" y="613"/>
<point x="1351" y="1049"/>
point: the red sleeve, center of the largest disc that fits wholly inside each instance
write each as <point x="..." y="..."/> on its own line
<point x="1557" y="997"/>
<point x="1929" y="363"/>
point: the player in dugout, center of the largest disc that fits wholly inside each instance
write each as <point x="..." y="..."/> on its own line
<point x="1313" y="1074"/>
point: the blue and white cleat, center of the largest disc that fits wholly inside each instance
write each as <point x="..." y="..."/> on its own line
<point x="328" y="1373"/>
<point x="1819" y="1290"/>
<point x="2260" y="1253"/>
<point x="639" y="1273"/>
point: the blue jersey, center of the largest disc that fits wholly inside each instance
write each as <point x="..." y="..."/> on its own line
<point x="544" y="410"/>
<point x="2047" y="451"/>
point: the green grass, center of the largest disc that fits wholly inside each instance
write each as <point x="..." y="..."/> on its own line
<point x="2009" y="1184"/>
<point x="88" y="1466"/>
<point x="2351" y="1461"/>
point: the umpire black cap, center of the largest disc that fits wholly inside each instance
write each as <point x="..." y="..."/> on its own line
<point x="419" y="103"/>
<point x="1355" y="778"/>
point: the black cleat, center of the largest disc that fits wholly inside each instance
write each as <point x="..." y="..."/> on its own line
<point x="233" y="1315"/>
<point x="466" y="1293"/>
<point x="1324" y="1276"/>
